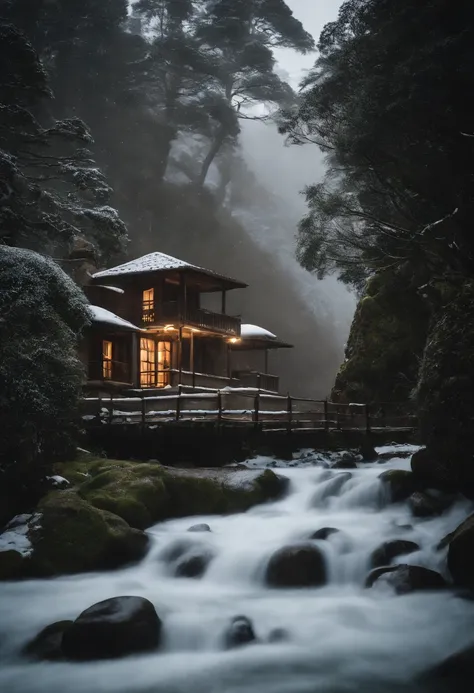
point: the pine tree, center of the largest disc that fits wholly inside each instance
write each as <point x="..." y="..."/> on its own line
<point x="51" y="190"/>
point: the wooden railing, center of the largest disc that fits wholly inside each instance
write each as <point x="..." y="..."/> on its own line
<point x="262" y="381"/>
<point x="171" y="311"/>
<point x="247" y="407"/>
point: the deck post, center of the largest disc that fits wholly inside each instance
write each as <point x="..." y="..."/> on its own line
<point x="326" y="416"/>
<point x="367" y="419"/>
<point x="143" y="411"/>
<point x="256" y="408"/>
<point x="111" y="409"/>
<point x="191" y="358"/>
<point x="99" y="405"/>
<point x="219" y="408"/>
<point x="180" y="355"/>
<point x="290" y="413"/>
<point x="259" y="381"/>
<point x="178" y="403"/>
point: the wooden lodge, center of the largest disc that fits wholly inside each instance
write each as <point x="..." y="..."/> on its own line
<point x="151" y="335"/>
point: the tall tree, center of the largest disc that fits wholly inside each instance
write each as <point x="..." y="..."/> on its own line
<point x="51" y="190"/>
<point x="386" y="102"/>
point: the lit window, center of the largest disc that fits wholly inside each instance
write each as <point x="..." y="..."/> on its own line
<point x="164" y="363"/>
<point x="147" y="363"/>
<point x="155" y="363"/>
<point x="107" y="360"/>
<point x="148" y="306"/>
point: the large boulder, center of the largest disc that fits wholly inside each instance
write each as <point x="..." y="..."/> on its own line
<point x="143" y="493"/>
<point x="428" y="503"/>
<point x="455" y="673"/>
<point x="240" y="632"/>
<point x="461" y="553"/>
<point x="400" y="484"/>
<point x="70" y="536"/>
<point x="300" y="565"/>
<point x="113" y="628"/>
<point x="406" y="578"/>
<point x="386" y="552"/>
<point x="46" y="646"/>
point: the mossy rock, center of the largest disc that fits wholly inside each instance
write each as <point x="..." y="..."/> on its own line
<point x="72" y="536"/>
<point x="400" y="483"/>
<point x="143" y="494"/>
<point x="386" y="341"/>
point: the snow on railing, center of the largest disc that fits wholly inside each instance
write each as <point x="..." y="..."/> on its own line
<point x="241" y="406"/>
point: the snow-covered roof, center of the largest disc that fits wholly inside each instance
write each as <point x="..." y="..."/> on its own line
<point x="158" y="262"/>
<point x="255" y="332"/>
<point x="111" y="288"/>
<point x="103" y="315"/>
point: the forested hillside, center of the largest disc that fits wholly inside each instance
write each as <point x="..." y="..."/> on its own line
<point x="387" y="104"/>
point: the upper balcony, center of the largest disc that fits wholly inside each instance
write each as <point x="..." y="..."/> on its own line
<point x="172" y="312"/>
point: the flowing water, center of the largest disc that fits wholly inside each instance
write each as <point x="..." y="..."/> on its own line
<point x="342" y="637"/>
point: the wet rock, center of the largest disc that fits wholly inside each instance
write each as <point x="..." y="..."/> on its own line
<point x="200" y="528"/>
<point x="347" y="461"/>
<point x="386" y="552"/>
<point x="330" y="489"/>
<point x="324" y="533"/>
<point x="300" y="565"/>
<point x="455" y="673"/>
<point x="177" y="549"/>
<point x="400" y="484"/>
<point x="113" y="628"/>
<point x="46" y="646"/>
<point x="461" y="553"/>
<point x="278" y="635"/>
<point x="240" y="632"/>
<point x="368" y="452"/>
<point x="193" y="566"/>
<point x="406" y="578"/>
<point x="428" y="504"/>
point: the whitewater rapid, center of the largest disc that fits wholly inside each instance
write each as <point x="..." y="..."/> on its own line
<point x="341" y="637"/>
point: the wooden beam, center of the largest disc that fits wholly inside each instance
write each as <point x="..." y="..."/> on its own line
<point x="191" y="358"/>
<point x="180" y="355"/>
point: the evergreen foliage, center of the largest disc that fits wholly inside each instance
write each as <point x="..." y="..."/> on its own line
<point x="42" y="315"/>
<point x="386" y="102"/>
<point x="51" y="190"/>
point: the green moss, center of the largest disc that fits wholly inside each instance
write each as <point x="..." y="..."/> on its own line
<point x="73" y="536"/>
<point x="401" y="483"/>
<point x="386" y="340"/>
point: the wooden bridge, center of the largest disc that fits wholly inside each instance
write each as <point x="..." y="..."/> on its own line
<point x="246" y="408"/>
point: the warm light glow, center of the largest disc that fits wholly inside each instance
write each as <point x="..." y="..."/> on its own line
<point x="148" y="305"/>
<point x="234" y="340"/>
<point x="193" y="329"/>
<point x="155" y="362"/>
<point x="169" y="328"/>
<point x="107" y="360"/>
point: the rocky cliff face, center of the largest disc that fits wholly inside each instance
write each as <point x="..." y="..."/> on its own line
<point x="445" y="390"/>
<point x="386" y="342"/>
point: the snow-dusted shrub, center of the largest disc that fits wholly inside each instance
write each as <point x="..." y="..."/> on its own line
<point x="42" y="314"/>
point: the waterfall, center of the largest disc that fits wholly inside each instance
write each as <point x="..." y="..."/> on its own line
<point x="340" y="637"/>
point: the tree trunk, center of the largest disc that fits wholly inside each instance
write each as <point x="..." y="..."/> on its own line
<point x="211" y="155"/>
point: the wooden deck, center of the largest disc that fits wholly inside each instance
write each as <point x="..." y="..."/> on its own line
<point x="244" y="408"/>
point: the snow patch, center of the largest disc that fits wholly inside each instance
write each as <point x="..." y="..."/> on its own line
<point x="58" y="480"/>
<point x="100" y="314"/>
<point x="248" y="331"/>
<point x="396" y="448"/>
<point x="15" y="536"/>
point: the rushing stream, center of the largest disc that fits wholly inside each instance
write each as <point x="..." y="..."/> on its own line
<point x="341" y="637"/>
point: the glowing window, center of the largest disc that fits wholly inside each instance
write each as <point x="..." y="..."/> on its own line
<point x="107" y="360"/>
<point x="147" y="363"/>
<point x="148" y="305"/>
